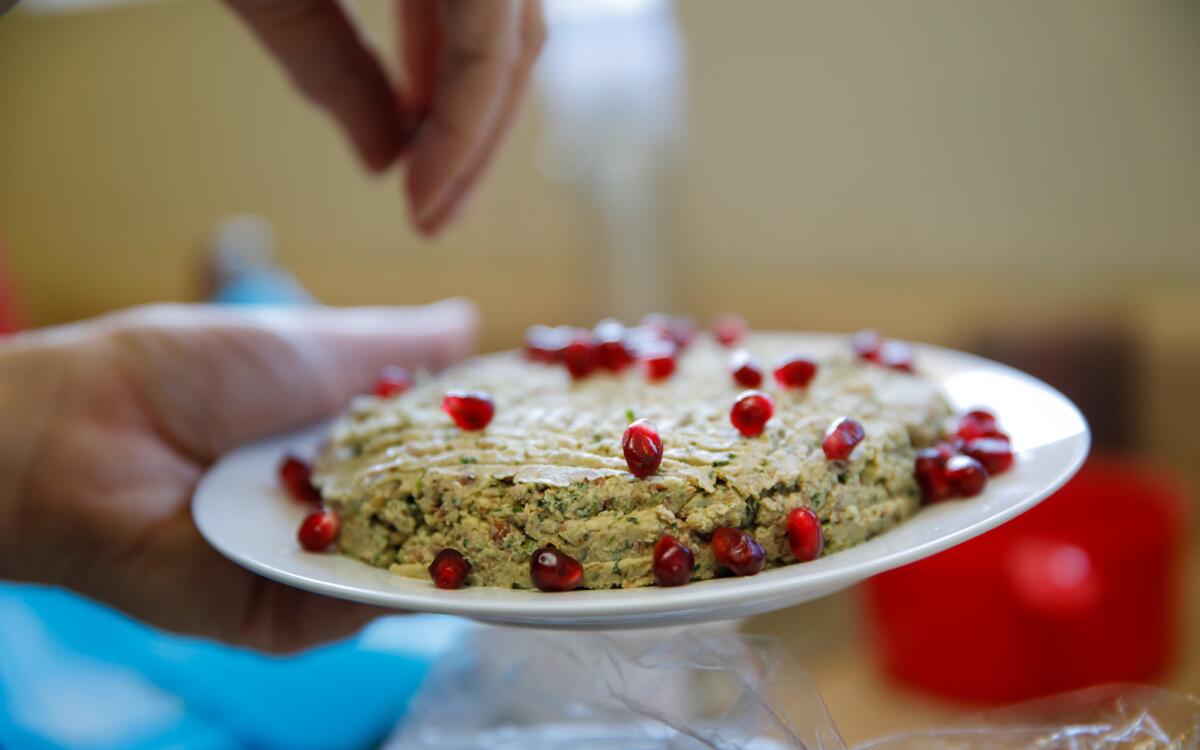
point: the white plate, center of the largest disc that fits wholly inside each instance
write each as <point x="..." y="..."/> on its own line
<point x="240" y="509"/>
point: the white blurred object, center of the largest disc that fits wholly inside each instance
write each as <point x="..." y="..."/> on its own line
<point x="242" y="243"/>
<point x="614" y="81"/>
<point x="242" y="269"/>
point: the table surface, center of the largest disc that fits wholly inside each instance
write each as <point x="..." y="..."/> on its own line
<point x="829" y="638"/>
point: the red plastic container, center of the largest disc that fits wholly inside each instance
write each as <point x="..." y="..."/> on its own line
<point x="1080" y="590"/>
<point x="8" y="307"/>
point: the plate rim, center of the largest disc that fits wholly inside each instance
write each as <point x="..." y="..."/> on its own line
<point x="560" y="609"/>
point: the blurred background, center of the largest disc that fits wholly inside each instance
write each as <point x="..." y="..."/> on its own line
<point x="1019" y="179"/>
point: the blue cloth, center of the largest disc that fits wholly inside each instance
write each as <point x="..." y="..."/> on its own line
<point x="267" y="287"/>
<point x="76" y="674"/>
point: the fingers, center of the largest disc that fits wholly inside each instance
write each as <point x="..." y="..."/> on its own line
<point x="533" y="38"/>
<point x="212" y="378"/>
<point x="421" y="42"/>
<point x="328" y="58"/>
<point x="283" y="619"/>
<point x="467" y="64"/>
<point x="173" y="579"/>
<point x="490" y="46"/>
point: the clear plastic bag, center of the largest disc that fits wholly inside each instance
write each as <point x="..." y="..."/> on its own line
<point x="704" y="687"/>
<point x="709" y="687"/>
<point x="1109" y="717"/>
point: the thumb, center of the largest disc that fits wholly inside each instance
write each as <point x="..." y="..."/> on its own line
<point x="214" y="377"/>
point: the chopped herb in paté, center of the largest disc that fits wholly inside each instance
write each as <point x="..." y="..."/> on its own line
<point x="751" y="508"/>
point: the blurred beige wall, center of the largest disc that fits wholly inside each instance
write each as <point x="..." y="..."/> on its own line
<point x="126" y="133"/>
<point x="931" y="166"/>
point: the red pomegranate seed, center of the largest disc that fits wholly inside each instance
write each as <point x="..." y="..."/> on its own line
<point x="729" y="329"/>
<point x="995" y="454"/>
<point x="552" y="570"/>
<point x="930" y="473"/>
<point x="581" y="356"/>
<point x="318" y="530"/>
<point x="841" y="438"/>
<point x="613" y="356"/>
<point x="866" y="344"/>
<point x="738" y="551"/>
<point x="609" y="329"/>
<point x="746" y="371"/>
<point x="643" y="338"/>
<point x="643" y="448"/>
<point x="611" y="351"/>
<point x="804" y="534"/>
<point x="795" y="372"/>
<point x="296" y="476"/>
<point x="393" y="381"/>
<point x="470" y="410"/>
<point x="897" y="355"/>
<point x="966" y="476"/>
<point x="678" y="329"/>
<point x="449" y="569"/>
<point x="542" y="344"/>
<point x="953" y="443"/>
<point x="976" y="423"/>
<point x="673" y="562"/>
<point x="658" y="361"/>
<point x="750" y="412"/>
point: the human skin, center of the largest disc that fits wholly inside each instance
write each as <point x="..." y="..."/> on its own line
<point x="109" y="424"/>
<point x="464" y="66"/>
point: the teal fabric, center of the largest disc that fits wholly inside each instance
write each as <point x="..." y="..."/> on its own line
<point x="75" y="674"/>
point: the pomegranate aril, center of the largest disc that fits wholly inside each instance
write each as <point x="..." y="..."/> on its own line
<point x="581" y="356"/>
<point x="965" y="475"/>
<point x="678" y="329"/>
<point x="751" y="412"/>
<point x="995" y="454"/>
<point x="393" y="381"/>
<point x="866" y="344"/>
<point x="470" y="410"/>
<point x="930" y="473"/>
<point x="296" y="476"/>
<point x="673" y="562"/>
<point x="553" y="570"/>
<point x="795" y="372"/>
<point x="841" y="438"/>
<point x="804" y="534"/>
<point x="729" y="329"/>
<point x="609" y="329"/>
<point x="897" y="355"/>
<point x="976" y="423"/>
<point x="449" y="569"/>
<point x="542" y="343"/>
<point x="318" y="530"/>
<point x="643" y="448"/>
<point x="954" y="443"/>
<point x="613" y="356"/>
<point x="745" y="370"/>
<point x="984" y="416"/>
<point x="611" y="352"/>
<point x="658" y="361"/>
<point x="737" y="551"/>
